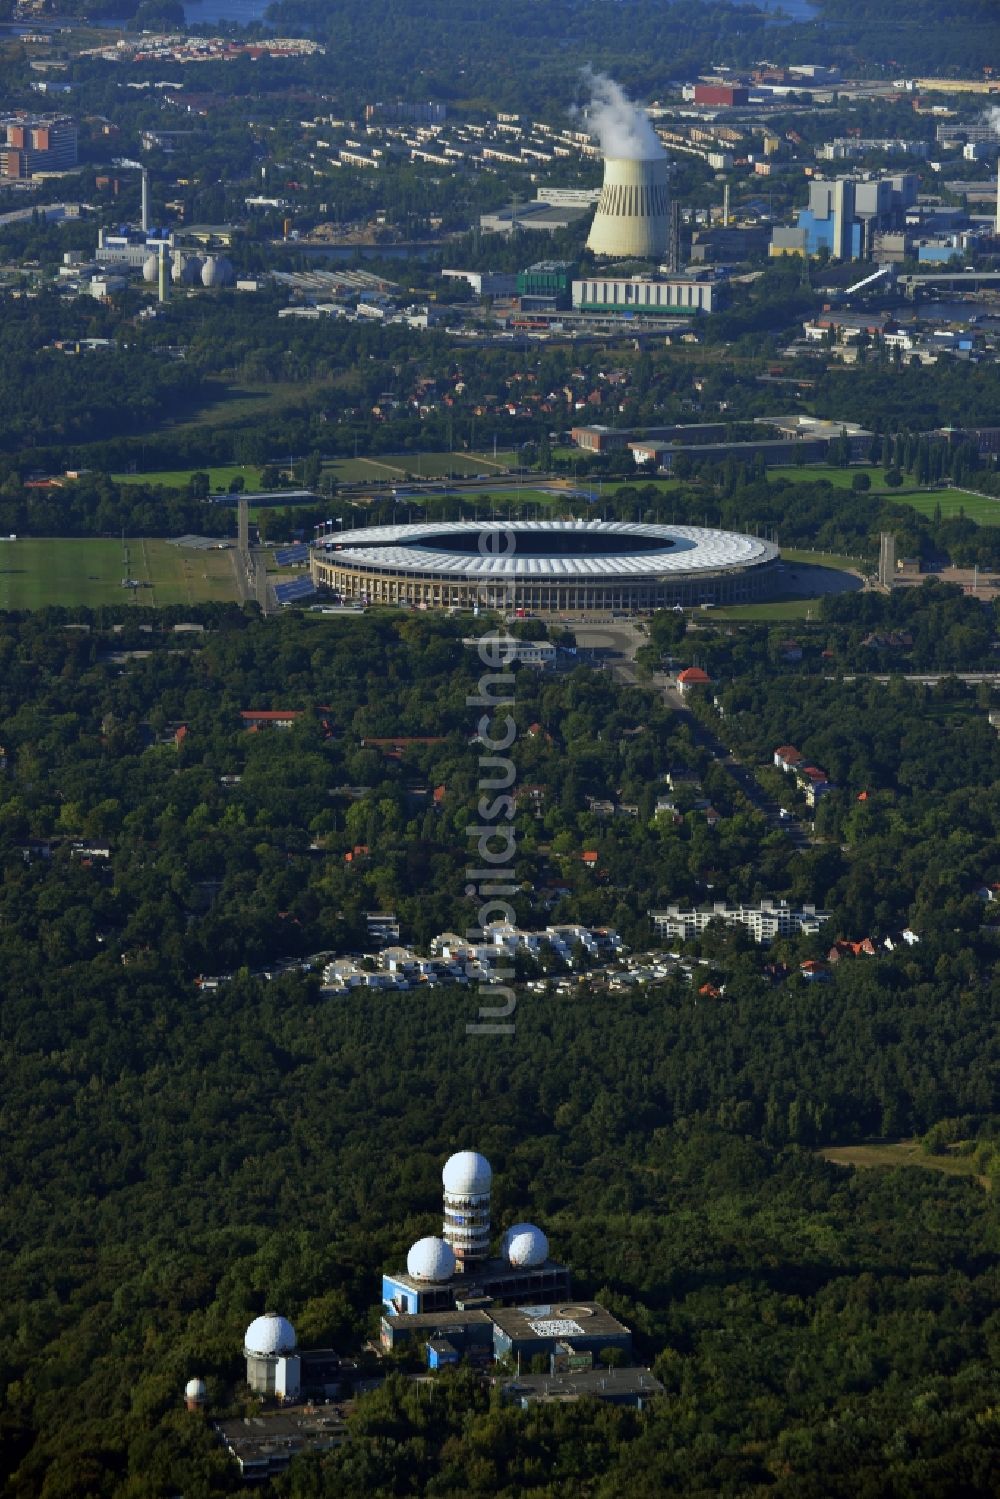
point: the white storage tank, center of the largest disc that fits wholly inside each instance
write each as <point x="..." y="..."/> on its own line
<point x="186" y="270"/>
<point x="217" y="271"/>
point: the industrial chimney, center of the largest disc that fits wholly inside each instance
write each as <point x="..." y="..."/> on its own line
<point x="633" y="212"/>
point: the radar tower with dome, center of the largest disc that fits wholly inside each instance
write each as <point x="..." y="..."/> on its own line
<point x="468" y="1181"/>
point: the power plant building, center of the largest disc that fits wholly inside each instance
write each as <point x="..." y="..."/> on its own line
<point x="845" y="213"/>
<point x="633" y="211"/>
<point x="651" y="296"/>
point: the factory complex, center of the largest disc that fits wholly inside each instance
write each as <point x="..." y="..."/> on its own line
<point x="550" y="566"/>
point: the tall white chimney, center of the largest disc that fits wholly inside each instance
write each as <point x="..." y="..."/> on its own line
<point x="144" y="215"/>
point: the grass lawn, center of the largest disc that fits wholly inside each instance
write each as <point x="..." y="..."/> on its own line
<point x="35" y="572"/>
<point x="485" y="463"/>
<point x="365" y="470"/>
<point x="977" y="507"/>
<point x="394" y="466"/>
<point x="840" y="478"/>
<point x="775" y="609"/>
<point x="238" y="406"/>
<point x="901" y="1153"/>
<point x="612" y="486"/>
<point x="177" y="478"/>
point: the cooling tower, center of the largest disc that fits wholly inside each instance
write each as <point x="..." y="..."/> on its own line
<point x="632" y="216"/>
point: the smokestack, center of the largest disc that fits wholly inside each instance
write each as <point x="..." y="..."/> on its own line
<point x="996" y="226"/>
<point x="163" y="290"/>
<point x="144" y="215"/>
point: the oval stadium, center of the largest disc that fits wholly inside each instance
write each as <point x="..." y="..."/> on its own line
<point x="544" y="566"/>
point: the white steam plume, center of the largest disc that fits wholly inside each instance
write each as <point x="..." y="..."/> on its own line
<point x="622" y="128"/>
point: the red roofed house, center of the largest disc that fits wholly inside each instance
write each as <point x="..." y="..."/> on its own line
<point x="690" y="677"/>
<point x="589" y="857"/>
<point x="842" y="949"/>
<point x="787" y="757"/>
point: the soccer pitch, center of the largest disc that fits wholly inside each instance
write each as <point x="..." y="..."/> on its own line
<point x="38" y="571"/>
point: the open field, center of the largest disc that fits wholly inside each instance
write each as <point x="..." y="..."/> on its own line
<point x="901" y="1153"/>
<point x="840" y="478"/>
<point x="36" y="572"/>
<point x="612" y="486"/>
<point x="389" y="469"/>
<point x="240" y="406"/>
<point x="394" y="466"/>
<point x="177" y="478"/>
<point x="980" y="508"/>
<point x="774" y="610"/>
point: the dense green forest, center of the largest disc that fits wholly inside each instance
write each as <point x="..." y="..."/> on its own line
<point x="175" y="1159"/>
<point x="531" y="57"/>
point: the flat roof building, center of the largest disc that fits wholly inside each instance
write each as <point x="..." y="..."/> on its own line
<point x="264" y="1445"/>
<point x="629" y="1387"/>
<point x="764" y="921"/>
<point x="651" y="296"/>
<point x="467" y="1331"/>
<point x="492" y="1280"/>
<point x="524" y="1332"/>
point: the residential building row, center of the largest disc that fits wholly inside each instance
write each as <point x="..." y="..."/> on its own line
<point x="764" y="921"/>
<point x="457" y="959"/>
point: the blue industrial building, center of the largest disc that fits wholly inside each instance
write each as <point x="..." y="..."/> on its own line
<point x="844" y="214"/>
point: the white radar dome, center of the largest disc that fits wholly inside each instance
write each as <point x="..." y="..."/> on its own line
<point x="467" y="1174"/>
<point x="269" y="1335"/>
<point x="151" y="269"/>
<point x="196" y="1389"/>
<point x="524" y="1246"/>
<point x="431" y="1259"/>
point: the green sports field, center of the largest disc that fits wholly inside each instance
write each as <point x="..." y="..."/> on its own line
<point x="976" y="507"/>
<point x="35" y="572"/>
<point x="178" y="478"/>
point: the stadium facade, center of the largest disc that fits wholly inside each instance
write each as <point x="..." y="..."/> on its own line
<point x="544" y="566"/>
